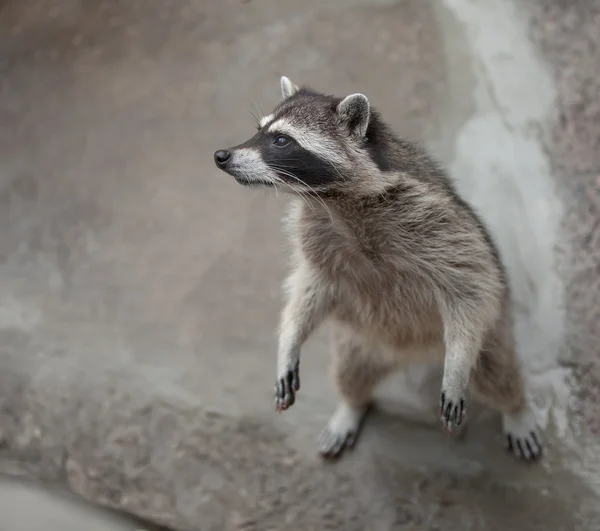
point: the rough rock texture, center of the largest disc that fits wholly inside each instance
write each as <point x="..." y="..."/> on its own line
<point x="189" y="469"/>
<point x="568" y="35"/>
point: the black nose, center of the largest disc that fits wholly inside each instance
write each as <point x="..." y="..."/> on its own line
<point x="221" y="157"/>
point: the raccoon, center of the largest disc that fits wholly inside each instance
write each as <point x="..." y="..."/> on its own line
<point x="388" y="253"/>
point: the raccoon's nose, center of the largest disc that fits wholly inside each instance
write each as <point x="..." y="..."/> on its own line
<point x="221" y="157"/>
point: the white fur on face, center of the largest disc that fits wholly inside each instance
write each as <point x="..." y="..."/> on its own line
<point x="309" y="140"/>
<point x="266" y="119"/>
<point x="248" y="164"/>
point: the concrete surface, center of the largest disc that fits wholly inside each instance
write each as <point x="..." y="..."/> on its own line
<point x="28" y="507"/>
<point x="139" y="288"/>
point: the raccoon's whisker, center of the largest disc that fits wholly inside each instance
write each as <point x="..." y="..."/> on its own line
<point x="282" y="182"/>
<point x="254" y="112"/>
<point x="306" y="201"/>
<point x="319" y="199"/>
<point x="254" y="106"/>
<point x="254" y="117"/>
<point x="335" y="169"/>
<point x="316" y="195"/>
<point x="275" y="182"/>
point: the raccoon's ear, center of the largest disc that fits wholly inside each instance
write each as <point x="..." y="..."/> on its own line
<point x="355" y="111"/>
<point x="287" y="87"/>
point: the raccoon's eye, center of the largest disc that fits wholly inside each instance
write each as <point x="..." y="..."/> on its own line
<point x="281" y="141"/>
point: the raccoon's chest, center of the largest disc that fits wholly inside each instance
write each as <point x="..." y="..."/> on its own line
<point x="335" y="250"/>
<point x="374" y="286"/>
<point x="352" y="264"/>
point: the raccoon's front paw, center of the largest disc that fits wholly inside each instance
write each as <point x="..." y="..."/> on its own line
<point x="286" y="386"/>
<point x="453" y="408"/>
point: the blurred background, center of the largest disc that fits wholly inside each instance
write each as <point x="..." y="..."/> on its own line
<point x="140" y="286"/>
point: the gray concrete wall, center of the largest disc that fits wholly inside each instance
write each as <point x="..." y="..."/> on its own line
<point x="139" y="287"/>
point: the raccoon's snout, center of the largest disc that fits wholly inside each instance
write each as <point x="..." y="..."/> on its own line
<point x="222" y="157"/>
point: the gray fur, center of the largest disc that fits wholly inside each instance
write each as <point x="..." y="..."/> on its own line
<point x="387" y="252"/>
<point x="355" y="111"/>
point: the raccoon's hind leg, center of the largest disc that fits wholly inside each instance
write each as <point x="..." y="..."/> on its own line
<point x="498" y="382"/>
<point x="358" y="367"/>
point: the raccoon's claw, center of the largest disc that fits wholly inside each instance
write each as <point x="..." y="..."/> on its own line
<point x="528" y="448"/>
<point x="522" y="436"/>
<point x="286" y="387"/>
<point x="452" y="411"/>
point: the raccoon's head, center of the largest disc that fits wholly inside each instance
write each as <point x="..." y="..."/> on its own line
<point x="311" y="143"/>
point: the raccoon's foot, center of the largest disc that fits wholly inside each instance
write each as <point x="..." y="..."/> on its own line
<point x="522" y="435"/>
<point x="286" y="387"/>
<point x="341" y="431"/>
<point x="453" y="407"/>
